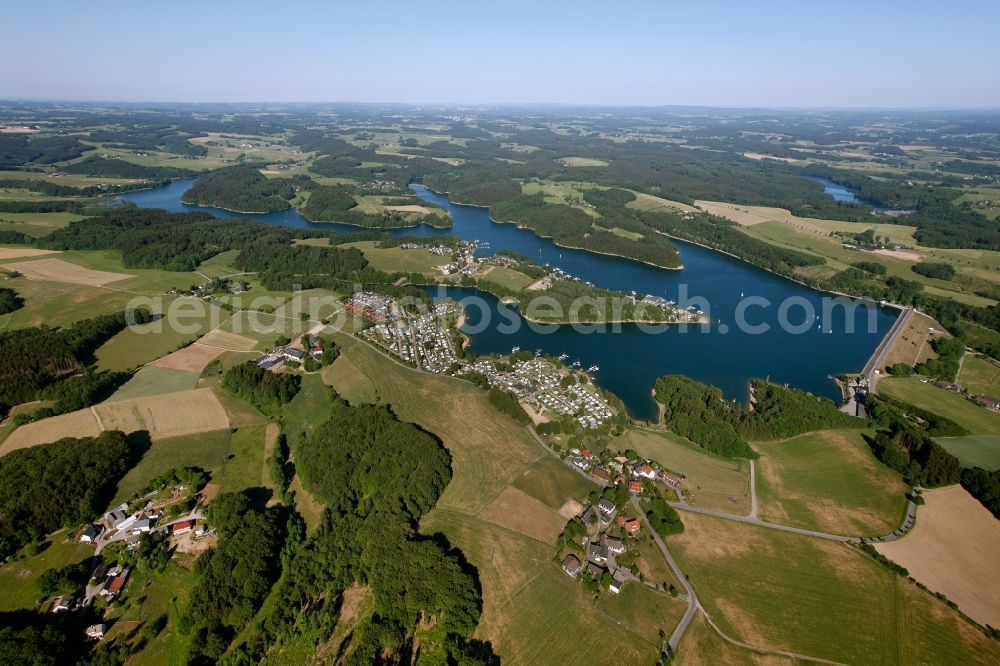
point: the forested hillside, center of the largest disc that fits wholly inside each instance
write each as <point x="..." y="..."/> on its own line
<point x="378" y="475"/>
<point x="112" y="167"/>
<point x="33" y="358"/>
<point x="701" y="413"/>
<point x="241" y="188"/>
<point x="336" y="203"/>
<point x="64" y="483"/>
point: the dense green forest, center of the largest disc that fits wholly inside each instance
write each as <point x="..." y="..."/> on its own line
<point x="241" y="188"/>
<point x="336" y="203"/>
<point x="33" y="358"/>
<point x="113" y="167"/>
<point x="904" y="441"/>
<point x="261" y="388"/>
<point x="909" y="451"/>
<point x="53" y="189"/>
<point x="984" y="486"/>
<point x="938" y="271"/>
<point x="154" y="238"/>
<point x="10" y="300"/>
<point x="19" y="149"/>
<point x="27" y="637"/>
<point x="61" y="484"/>
<point x="701" y="413"/>
<point x="379" y="476"/>
<point x="234" y="577"/>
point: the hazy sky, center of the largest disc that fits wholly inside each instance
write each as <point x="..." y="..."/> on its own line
<point x="714" y="52"/>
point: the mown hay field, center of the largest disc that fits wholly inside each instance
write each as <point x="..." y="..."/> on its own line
<point x="831" y="482"/>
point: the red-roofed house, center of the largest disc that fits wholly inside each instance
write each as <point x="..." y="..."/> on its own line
<point x="620" y="520"/>
<point x="669" y="478"/>
<point x="632" y="526"/>
<point x="601" y="473"/>
<point x="181" y="528"/>
<point x="586" y="453"/>
<point x="117" y="583"/>
<point x="635" y="486"/>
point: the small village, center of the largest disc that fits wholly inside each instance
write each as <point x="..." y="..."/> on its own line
<point x="172" y="516"/>
<point x="602" y="539"/>
<point x="631" y="471"/>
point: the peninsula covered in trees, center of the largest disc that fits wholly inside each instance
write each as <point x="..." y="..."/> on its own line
<point x="242" y="189"/>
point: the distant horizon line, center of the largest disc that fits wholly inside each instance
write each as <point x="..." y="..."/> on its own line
<point x="499" y="105"/>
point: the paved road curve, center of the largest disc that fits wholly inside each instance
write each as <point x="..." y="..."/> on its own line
<point x="692" y="598"/>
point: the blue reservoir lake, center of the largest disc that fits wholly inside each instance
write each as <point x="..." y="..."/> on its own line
<point x="843" y="193"/>
<point x="630" y="359"/>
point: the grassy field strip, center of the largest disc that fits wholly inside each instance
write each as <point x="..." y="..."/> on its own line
<point x="766" y="651"/>
<point x="977" y="420"/>
<point x="162" y="416"/>
<point x="57" y="270"/>
<point x="703" y="645"/>
<point x="974" y="450"/>
<point x="820" y="598"/>
<point x="980" y="375"/>
<point x="829" y="481"/>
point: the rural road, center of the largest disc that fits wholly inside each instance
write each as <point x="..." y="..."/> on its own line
<point x="877" y="359"/>
<point x="753" y="520"/>
<point x="692" y="598"/>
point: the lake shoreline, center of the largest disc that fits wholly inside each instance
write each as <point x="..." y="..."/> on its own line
<point x="521" y="225"/>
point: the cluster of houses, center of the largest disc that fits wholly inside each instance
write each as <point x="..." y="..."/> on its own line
<point x="105" y="582"/>
<point x="380" y="185"/>
<point x="437" y="250"/>
<point x="137" y="523"/>
<point x="465" y="262"/>
<point x="374" y="307"/>
<point x="214" y="286"/>
<point x="689" y="315"/>
<point x="621" y="470"/>
<point x="274" y="359"/>
<point x="120" y="524"/>
<point x="109" y="584"/>
<point x="537" y="382"/>
<point x="601" y="548"/>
